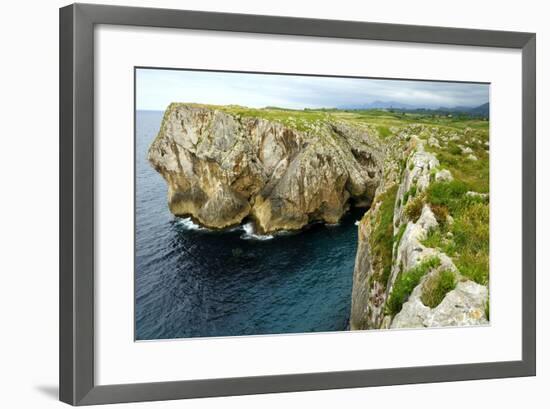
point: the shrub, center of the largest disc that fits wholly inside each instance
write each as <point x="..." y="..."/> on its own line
<point x="413" y="210"/>
<point x="441" y="212"/>
<point x="406" y="282"/>
<point x="436" y="287"/>
<point x="455" y="150"/>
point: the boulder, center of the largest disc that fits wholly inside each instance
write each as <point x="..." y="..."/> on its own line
<point x="443" y="175"/>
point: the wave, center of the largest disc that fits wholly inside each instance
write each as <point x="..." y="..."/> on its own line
<point x="250" y="235"/>
<point x="189" y="224"/>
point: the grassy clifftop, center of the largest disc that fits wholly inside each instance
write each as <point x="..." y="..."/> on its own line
<point x="386" y="123"/>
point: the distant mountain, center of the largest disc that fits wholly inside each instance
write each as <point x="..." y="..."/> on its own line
<point x="380" y="105"/>
<point x="481" y="110"/>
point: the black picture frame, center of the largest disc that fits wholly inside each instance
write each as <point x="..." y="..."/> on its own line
<point x="76" y="273"/>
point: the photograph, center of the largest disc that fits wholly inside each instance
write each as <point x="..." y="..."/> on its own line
<point x="280" y="204"/>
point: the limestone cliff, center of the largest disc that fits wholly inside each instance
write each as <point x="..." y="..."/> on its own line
<point x="221" y="167"/>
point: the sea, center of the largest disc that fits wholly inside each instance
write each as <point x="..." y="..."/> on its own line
<point x="194" y="282"/>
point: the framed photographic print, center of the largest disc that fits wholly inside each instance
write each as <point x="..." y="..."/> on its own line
<point x="254" y="204"/>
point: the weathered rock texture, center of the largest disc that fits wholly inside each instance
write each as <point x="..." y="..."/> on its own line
<point x="221" y="168"/>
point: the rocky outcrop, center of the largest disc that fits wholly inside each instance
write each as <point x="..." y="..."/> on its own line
<point x="222" y="167"/>
<point x="465" y="305"/>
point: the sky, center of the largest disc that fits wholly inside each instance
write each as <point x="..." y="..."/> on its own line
<point x="156" y="89"/>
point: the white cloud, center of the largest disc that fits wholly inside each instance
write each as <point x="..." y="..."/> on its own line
<point x="157" y="88"/>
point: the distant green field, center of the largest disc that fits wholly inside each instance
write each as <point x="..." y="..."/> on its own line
<point x="382" y="120"/>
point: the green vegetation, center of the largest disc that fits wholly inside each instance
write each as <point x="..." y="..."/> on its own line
<point x="381" y="120"/>
<point x="400" y="233"/>
<point x="413" y="210"/>
<point x="383" y="131"/>
<point x="449" y="194"/>
<point x="468" y="243"/>
<point x="471" y="237"/>
<point x="436" y="287"/>
<point x="474" y="173"/>
<point x="406" y="282"/>
<point x="441" y="213"/>
<point x="410" y="193"/>
<point x="381" y="239"/>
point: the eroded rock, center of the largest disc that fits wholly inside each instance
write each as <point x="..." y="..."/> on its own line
<point x="221" y="168"/>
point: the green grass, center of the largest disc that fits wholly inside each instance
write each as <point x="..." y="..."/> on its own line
<point x="400" y="233"/>
<point x="381" y="239"/>
<point x="406" y="282"/>
<point x="436" y="287"/>
<point x="383" y="131"/>
<point x="469" y="242"/>
<point x="471" y="237"/>
<point x="436" y="239"/>
<point x="449" y="194"/>
<point x="474" y="173"/>
<point x="381" y="120"/>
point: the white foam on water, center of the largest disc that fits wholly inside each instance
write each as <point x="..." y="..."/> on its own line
<point x="358" y="222"/>
<point x="250" y="235"/>
<point x="188" y="224"/>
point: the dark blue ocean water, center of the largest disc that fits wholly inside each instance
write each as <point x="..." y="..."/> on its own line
<point x="191" y="282"/>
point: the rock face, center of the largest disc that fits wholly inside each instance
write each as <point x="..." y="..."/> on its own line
<point x="221" y="167"/>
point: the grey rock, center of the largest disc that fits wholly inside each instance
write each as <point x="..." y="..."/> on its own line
<point x="477" y="195"/>
<point x="443" y="175"/>
<point x="433" y="142"/>
<point x="463" y="306"/>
